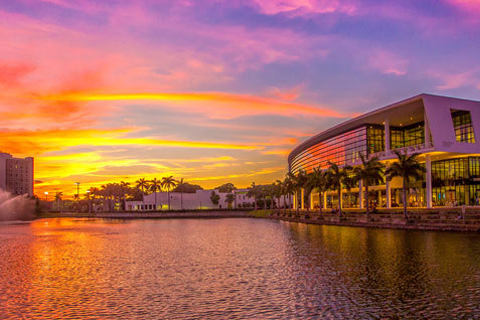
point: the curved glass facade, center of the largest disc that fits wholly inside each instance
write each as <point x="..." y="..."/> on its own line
<point x="341" y="149"/>
<point x="345" y="148"/>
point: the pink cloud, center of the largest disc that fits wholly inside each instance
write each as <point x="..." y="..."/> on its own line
<point x="456" y="80"/>
<point x="466" y="4"/>
<point x="287" y="94"/>
<point x="387" y="62"/>
<point x="11" y="73"/>
<point x="301" y="7"/>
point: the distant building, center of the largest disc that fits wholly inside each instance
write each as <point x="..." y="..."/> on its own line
<point x="178" y="201"/>
<point x="193" y="201"/>
<point x="242" y="200"/>
<point x="16" y="174"/>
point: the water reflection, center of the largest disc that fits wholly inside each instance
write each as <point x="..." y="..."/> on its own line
<point x="235" y="269"/>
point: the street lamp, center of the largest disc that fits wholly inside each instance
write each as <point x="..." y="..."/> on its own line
<point x="46" y="195"/>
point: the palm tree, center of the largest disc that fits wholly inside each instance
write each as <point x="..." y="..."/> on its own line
<point x="408" y="168"/>
<point x="58" y="198"/>
<point x="253" y="192"/>
<point x="142" y="184"/>
<point x="179" y="183"/>
<point x="319" y="181"/>
<point x="112" y="192"/>
<point x="229" y="199"/>
<point x="155" y="185"/>
<point x="336" y="175"/>
<point x="370" y="172"/>
<point x="168" y="183"/>
<point x="289" y="184"/>
<point x="300" y="182"/>
<point x="314" y="180"/>
<point x="124" y="186"/>
<point x="279" y="191"/>
<point x="350" y="182"/>
<point x="88" y="197"/>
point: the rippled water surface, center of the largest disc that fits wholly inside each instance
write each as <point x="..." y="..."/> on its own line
<point x="233" y="269"/>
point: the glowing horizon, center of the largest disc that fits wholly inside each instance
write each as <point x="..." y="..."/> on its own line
<point x="211" y="91"/>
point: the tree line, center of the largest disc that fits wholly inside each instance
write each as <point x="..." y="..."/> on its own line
<point x="336" y="178"/>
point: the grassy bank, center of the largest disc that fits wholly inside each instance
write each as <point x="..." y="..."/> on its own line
<point x="260" y="213"/>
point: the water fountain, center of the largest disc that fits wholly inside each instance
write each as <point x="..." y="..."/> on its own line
<point x="16" y="207"/>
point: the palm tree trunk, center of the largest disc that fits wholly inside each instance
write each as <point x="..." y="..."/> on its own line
<point x="296" y="197"/>
<point x="404" y="200"/>
<point x="290" y="203"/>
<point x="181" y="200"/>
<point x="308" y="203"/>
<point x="340" y="200"/>
<point x="367" y="204"/>
<point x="284" y="204"/>
<point x="320" y="201"/>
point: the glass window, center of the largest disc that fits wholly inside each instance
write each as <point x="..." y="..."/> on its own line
<point x="411" y="135"/>
<point x="462" y="123"/>
<point x="375" y="139"/>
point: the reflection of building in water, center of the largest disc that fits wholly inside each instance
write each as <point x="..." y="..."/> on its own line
<point x="16" y="174"/>
<point x="440" y="129"/>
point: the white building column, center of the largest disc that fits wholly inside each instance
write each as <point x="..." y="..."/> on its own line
<point x="428" y="180"/>
<point x="302" y="198"/>
<point x="295" y="200"/>
<point x="387" y="135"/>
<point x="360" y="194"/>
<point x="388" y="191"/>
<point x="324" y="200"/>
<point x="311" y="200"/>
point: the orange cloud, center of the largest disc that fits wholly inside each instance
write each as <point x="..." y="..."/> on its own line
<point x="220" y="105"/>
<point x="37" y="142"/>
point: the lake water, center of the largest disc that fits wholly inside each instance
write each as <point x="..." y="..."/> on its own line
<point x="233" y="269"/>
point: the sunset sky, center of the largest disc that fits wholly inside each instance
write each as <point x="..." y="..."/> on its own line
<point x="212" y="91"/>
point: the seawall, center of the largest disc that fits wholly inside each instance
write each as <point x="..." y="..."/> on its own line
<point x="426" y="220"/>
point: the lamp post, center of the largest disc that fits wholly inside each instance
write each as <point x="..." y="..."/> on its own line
<point x="46" y="195"/>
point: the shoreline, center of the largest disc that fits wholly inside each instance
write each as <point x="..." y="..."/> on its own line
<point x="385" y="221"/>
<point x="418" y="222"/>
<point x="152" y="215"/>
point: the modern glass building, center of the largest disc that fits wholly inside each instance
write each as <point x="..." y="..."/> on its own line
<point x="443" y="130"/>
